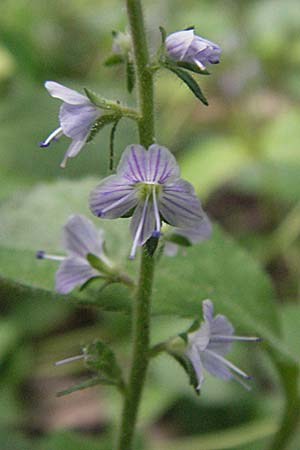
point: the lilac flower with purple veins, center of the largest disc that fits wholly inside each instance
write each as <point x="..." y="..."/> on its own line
<point x="187" y="47"/>
<point x="76" y="116"/>
<point x="208" y="345"/>
<point x="192" y="235"/>
<point x="79" y="239"/>
<point x="147" y="183"/>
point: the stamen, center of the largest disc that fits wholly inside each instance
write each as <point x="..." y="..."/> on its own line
<point x="113" y="205"/>
<point x="56" y="134"/>
<point x="139" y="229"/>
<point x="67" y="360"/>
<point x="40" y="254"/>
<point x="199" y="64"/>
<point x="156" y="233"/>
<point x="229" y="364"/>
<point x="219" y="338"/>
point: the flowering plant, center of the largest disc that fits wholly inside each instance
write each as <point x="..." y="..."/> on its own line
<point x="159" y="214"/>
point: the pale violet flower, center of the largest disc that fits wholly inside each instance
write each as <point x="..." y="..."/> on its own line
<point x="76" y="116"/>
<point x="147" y="185"/>
<point x="188" y="236"/>
<point x="208" y="345"/>
<point x="186" y="46"/>
<point x="79" y="238"/>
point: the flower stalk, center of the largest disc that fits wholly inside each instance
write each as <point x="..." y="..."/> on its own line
<point x="141" y="312"/>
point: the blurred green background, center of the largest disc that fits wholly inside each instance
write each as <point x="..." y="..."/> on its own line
<point x="242" y="155"/>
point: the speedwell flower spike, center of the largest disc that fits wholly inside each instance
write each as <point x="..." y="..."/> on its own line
<point x="147" y="183"/>
<point x="80" y="238"/>
<point x="208" y="345"/>
<point x="187" y="47"/>
<point x="76" y="116"/>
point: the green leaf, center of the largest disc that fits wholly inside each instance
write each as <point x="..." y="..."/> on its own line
<point x="130" y="75"/>
<point x="114" y="59"/>
<point x="218" y="269"/>
<point x="188" y="80"/>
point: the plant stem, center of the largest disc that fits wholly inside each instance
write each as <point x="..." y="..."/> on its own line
<point x="141" y="311"/>
<point x="141" y="324"/>
<point x="143" y="72"/>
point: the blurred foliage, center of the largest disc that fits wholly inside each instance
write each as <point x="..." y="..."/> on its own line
<point x="242" y="155"/>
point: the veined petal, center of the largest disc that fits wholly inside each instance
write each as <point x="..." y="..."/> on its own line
<point x="142" y="223"/>
<point x="65" y="94"/>
<point x="133" y="164"/>
<point x="200" y="338"/>
<point x="219" y="325"/>
<point x="178" y="43"/>
<point x="73" y="271"/>
<point x="162" y="165"/>
<point x="215" y="367"/>
<point x="113" y="197"/>
<point x="179" y="205"/>
<point x="219" y="358"/>
<point x="194" y="356"/>
<point x="208" y="310"/>
<point x="77" y="120"/>
<point x="81" y="237"/>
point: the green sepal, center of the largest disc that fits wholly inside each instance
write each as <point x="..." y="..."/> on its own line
<point x="89" y="282"/>
<point x="100" y="358"/>
<point x="188" y="80"/>
<point x="100" y="101"/>
<point x="84" y="385"/>
<point x="130" y="75"/>
<point x="163" y="34"/>
<point x="187" y="366"/>
<point x="98" y="264"/>
<point x="195" y="325"/>
<point x="192" y="67"/>
<point x="179" y="240"/>
<point x="101" y="122"/>
<point x="114" y="59"/>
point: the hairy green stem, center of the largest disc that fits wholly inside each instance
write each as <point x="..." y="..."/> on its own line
<point x="140" y="358"/>
<point x="141" y="311"/>
<point x="143" y="72"/>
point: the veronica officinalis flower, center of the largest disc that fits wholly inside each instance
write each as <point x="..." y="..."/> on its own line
<point x="187" y="47"/>
<point x="208" y="345"/>
<point x="147" y="185"/>
<point x="76" y="116"/>
<point x="79" y="238"/>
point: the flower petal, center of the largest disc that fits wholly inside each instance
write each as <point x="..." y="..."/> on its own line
<point x="195" y="359"/>
<point x="162" y="165"/>
<point x="113" y="197"/>
<point x="133" y="164"/>
<point x="143" y="222"/>
<point x="81" y="237"/>
<point x="73" y="271"/>
<point x="200" y="338"/>
<point x="179" y="205"/>
<point x="178" y="43"/>
<point x="215" y="367"/>
<point x="65" y="94"/>
<point x="196" y="234"/>
<point x="77" y="120"/>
